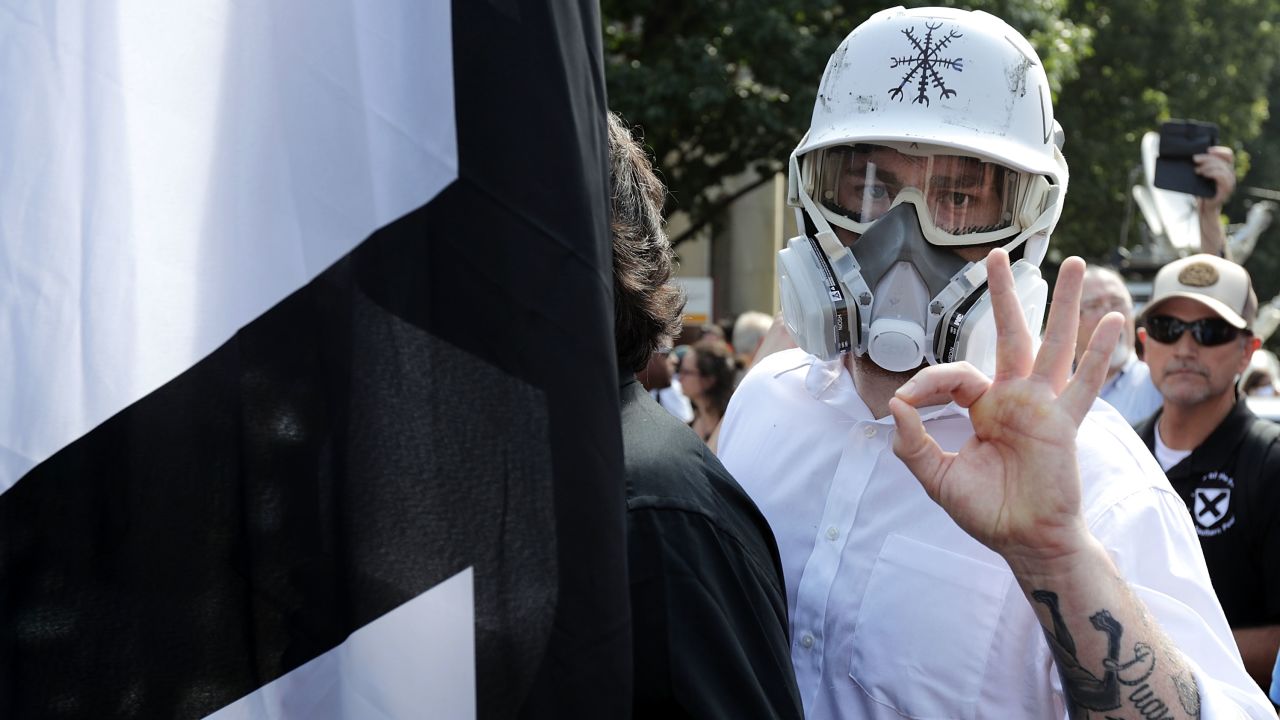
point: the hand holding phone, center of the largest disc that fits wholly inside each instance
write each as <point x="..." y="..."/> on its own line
<point x="1180" y="140"/>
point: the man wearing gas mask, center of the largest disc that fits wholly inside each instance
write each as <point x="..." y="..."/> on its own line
<point x="961" y="536"/>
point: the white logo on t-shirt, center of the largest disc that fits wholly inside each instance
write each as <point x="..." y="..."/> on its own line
<point x="1212" y="507"/>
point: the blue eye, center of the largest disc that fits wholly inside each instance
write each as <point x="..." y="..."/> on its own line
<point x="877" y="192"/>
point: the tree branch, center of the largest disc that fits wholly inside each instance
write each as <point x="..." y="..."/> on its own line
<point x="718" y="207"/>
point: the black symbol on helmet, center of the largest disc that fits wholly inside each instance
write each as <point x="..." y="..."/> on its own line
<point x="925" y="64"/>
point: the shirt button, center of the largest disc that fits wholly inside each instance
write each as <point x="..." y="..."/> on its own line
<point x="832" y="533"/>
<point x="806" y="641"/>
<point x="869" y="431"/>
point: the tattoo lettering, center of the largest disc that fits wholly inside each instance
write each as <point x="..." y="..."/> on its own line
<point x="1146" y="702"/>
<point x="1088" y="693"/>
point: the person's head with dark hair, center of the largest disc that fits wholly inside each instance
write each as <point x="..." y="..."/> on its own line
<point x="646" y="304"/>
<point x="707" y="374"/>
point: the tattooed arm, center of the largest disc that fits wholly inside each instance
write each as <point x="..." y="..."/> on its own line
<point x="1015" y="486"/>
<point x="1114" y="661"/>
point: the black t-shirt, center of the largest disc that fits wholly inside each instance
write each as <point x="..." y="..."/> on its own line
<point x="708" y="606"/>
<point x="1231" y="485"/>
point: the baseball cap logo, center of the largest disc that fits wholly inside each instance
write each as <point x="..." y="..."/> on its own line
<point x="1218" y="283"/>
<point x="1198" y="274"/>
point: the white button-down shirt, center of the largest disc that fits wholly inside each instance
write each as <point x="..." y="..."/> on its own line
<point x="895" y="611"/>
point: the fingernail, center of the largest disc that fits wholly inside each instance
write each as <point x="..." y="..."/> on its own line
<point x="907" y="388"/>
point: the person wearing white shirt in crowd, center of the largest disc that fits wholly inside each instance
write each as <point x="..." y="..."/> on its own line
<point x="1128" y="387"/>
<point x="955" y="546"/>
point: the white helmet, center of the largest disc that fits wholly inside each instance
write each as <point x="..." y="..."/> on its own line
<point x="912" y="105"/>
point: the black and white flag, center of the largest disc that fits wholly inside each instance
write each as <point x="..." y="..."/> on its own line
<point x="308" y="406"/>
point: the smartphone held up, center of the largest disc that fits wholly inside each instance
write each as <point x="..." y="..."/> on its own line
<point x="1180" y="141"/>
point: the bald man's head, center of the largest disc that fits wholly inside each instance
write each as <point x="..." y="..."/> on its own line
<point x="1104" y="291"/>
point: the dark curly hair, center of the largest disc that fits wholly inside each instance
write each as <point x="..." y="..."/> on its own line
<point x="646" y="304"/>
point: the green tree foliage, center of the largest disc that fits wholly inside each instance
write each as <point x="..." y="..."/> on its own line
<point x="720" y="87"/>
<point x="1264" y="173"/>
<point x="717" y="86"/>
<point x="1150" y="61"/>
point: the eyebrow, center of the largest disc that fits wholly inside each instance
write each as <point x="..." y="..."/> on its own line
<point x="969" y="177"/>
<point x="858" y="172"/>
<point x="887" y="176"/>
<point x="964" y="181"/>
<point x="859" y="161"/>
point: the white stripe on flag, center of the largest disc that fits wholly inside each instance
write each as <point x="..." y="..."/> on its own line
<point x="417" y="661"/>
<point x="168" y="171"/>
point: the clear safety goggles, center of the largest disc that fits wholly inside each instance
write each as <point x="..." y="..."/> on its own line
<point x="960" y="200"/>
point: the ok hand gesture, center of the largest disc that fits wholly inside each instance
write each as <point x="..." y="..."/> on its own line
<point x="1014" y="486"/>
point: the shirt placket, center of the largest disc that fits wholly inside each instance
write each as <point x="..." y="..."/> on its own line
<point x="864" y="443"/>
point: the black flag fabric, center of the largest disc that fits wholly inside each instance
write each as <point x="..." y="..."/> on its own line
<point x="309" y="394"/>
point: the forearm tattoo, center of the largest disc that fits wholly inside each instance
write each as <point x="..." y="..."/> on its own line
<point x="1124" y="683"/>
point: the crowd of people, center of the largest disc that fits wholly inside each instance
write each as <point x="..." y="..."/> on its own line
<point x="896" y="500"/>
<point x="695" y="380"/>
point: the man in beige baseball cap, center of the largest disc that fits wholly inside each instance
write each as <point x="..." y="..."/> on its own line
<point x="1221" y="459"/>
<point x="1220" y="284"/>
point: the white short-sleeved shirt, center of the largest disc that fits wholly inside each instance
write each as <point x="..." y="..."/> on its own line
<point x="894" y="610"/>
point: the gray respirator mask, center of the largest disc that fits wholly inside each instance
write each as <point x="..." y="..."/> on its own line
<point x="894" y="297"/>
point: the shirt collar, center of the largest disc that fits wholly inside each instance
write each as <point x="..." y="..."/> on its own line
<point x="1222" y="442"/>
<point x="829" y="382"/>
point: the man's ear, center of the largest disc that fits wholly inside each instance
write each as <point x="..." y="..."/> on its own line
<point x="1142" y="339"/>
<point x="1250" y="347"/>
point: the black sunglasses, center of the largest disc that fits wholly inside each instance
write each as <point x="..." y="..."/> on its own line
<point x="1206" y="331"/>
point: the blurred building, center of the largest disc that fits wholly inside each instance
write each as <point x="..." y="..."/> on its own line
<point x="739" y="250"/>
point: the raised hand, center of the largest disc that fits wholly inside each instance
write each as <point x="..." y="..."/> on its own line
<point x="1014" y="486"/>
<point x="1218" y="164"/>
